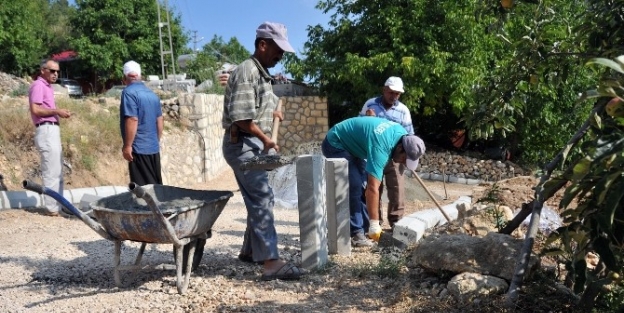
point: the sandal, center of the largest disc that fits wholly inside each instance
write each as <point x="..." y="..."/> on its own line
<point x="287" y="272"/>
<point x="249" y="259"/>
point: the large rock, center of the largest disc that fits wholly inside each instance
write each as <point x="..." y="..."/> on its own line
<point x="468" y="286"/>
<point x="495" y="254"/>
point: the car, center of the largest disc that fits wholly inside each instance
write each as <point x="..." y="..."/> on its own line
<point x="74" y="89"/>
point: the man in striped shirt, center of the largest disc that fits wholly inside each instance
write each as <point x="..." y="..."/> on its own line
<point x="389" y="107"/>
<point x="248" y="111"/>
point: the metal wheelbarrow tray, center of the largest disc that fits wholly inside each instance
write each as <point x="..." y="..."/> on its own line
<point x="153" y="214"/>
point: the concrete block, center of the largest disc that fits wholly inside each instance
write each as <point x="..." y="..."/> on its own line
<point x="470" y="181"/>
<point x="312" y="211"/>
<point x="411" y="228"/>
<point x="338" y="228"/>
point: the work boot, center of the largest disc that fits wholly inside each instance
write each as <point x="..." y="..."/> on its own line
<point x="360" y="240"/>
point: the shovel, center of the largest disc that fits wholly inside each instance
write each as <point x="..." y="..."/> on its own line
<point x="448" y="219"/>
<point x="268" y="161"/>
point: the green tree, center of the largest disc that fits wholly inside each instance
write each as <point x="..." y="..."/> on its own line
<point x="439" y="49"/>
<point x="111" y="32"/>
<point x="466" y="64"/>
<point x="22" y="27"/>
<point x="59" y="27"/>
<point x="212" y="56"/>
<point x="531" y="90"/>
<point x="593" y="202"/>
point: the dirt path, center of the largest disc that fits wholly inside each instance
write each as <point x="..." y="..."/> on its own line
<point x="54" y="264"/>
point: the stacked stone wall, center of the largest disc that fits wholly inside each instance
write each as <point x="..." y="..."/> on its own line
<point x="194" y="155"/>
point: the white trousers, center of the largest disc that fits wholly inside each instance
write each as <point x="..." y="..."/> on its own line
<point x="48" y="143"/>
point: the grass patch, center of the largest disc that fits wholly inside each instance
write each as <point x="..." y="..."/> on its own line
<point x="20" y="91"/>
<point x="16" y="127"/>
<point x="89" y="133"/>
<point x="387" y="266"/>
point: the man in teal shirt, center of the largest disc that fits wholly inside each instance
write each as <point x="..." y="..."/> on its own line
<point x="368" y="143"/>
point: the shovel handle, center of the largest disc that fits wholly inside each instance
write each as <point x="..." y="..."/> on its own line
<point x="448" y="219"/>
<point x="276" y="122"/>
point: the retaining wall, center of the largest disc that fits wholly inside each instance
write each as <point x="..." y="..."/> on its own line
<point x="194" y="156"/>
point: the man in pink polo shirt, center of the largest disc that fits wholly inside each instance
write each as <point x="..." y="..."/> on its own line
<point x="45" y="115"/>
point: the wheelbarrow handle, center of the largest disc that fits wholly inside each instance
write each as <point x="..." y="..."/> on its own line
<point x="153" y="205"/>
<point x="97" y="227"/>
<point x="32" y="186"/>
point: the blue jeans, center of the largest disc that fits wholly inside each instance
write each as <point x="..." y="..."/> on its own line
<point x="357" y="178"/>
<point x="260" y="240"/>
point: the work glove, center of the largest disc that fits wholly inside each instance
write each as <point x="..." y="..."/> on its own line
<point x="374" y="230"/>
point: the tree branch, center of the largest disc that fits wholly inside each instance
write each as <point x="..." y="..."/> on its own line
<point x="538" y="203"/>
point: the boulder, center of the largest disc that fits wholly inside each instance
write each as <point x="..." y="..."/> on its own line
<point x="468" y="286"/>
<point x="495" y="254"/>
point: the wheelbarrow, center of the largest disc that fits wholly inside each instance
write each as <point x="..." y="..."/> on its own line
<point x="153" y="214"/>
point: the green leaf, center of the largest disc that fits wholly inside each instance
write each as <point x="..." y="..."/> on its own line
<point x="608" y="63"/>
<point x="581" y="169"/>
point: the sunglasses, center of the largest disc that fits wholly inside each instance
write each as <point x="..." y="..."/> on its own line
<point x="52" y="71"/>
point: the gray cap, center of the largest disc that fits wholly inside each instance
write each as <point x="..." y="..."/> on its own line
<point x="277" y="32"/>
<point x="415" y="148"/>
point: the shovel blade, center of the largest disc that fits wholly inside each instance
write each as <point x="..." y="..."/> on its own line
<point x="266" y="162"/>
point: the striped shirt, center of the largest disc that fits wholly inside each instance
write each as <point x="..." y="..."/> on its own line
<point x="398" y="113"/>
<point x="249" y="96"/>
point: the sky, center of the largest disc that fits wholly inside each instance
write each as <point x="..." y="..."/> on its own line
<point x="240" y="18"/>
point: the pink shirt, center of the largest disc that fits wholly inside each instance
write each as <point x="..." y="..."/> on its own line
<point x="41" y="93"/>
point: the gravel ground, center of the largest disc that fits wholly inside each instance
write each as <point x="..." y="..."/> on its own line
<point x="58" y="264"/>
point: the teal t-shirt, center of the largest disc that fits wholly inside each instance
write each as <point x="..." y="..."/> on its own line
<point x="367" y="137"/>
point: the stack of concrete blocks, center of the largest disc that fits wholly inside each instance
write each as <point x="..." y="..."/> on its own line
<point x="322" y="191"/>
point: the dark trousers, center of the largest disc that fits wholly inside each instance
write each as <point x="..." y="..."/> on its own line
<point x="394" y="181"/>
<point x="357" y="177"/>
<point x="145" y="169"/>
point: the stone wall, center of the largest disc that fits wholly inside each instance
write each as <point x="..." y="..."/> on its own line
<point x="195" y="155"/>
<point x="305" y="121"/>
<point x="466" y="166"/>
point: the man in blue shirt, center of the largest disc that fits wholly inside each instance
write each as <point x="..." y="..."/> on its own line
<point x="378" y="141"/>
<point x="141" y="124"/>
<point x="389" y="107"/>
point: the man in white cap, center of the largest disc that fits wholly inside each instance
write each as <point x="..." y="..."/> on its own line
<point x="141" y="124"/>
<point x="378" y="141"/>
<point x="389" y="107"/>
<point x="248" y="112"/>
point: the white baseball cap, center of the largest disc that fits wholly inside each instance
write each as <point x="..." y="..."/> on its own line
<point x="395" y="84"/>
<point x="131" y="67"/>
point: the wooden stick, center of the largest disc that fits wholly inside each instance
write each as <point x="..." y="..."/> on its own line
<point x="448" y="219"/>
<point x="276" y="123"/>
